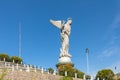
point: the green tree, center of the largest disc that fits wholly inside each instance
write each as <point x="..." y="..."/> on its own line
<point x="88" y="77"/>
<point x="70" y="70"/>
<point x="4" y="56"/>
<point x="16" y="59"/>
<point x="106" y="74"/>
<point x="66" y="78"/>
<point x="65" y="67"/>
<point x="51" y="70"/>
<point x="79" y="73"/>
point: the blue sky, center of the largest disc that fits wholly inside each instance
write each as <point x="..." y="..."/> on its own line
<point x="96" y="25"/>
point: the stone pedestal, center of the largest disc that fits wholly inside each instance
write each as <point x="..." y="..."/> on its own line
<point x="64" y="59"/>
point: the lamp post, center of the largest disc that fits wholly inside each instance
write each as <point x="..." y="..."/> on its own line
<point x="115" y="72"/>
<point x="20" y="50"/>
<point x="87" y="51"/>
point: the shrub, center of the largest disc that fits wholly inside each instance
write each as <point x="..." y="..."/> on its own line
<point x="16" y="59"/>
<point x="106" y="74"/>
<point x="4" y="56"/>
<point x="79" y="73"/>
<point x="66" y="78"/>
<point x="51" y="70"/>
<point x="70" y="70"/>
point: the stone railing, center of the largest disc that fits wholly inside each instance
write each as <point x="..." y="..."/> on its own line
<point x="26" y="72"/>
<point x="20" y="67"/>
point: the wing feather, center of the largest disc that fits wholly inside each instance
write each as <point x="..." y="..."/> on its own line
<point x="56" y="23"/>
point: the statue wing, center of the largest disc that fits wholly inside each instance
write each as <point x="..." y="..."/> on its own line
<point x="56" y="23"/>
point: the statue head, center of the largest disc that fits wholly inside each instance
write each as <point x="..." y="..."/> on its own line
<point x="69" y="21"/>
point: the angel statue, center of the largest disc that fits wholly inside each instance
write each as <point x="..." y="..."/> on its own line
<point x="65" y="28"/>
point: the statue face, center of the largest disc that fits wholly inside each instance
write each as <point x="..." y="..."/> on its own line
<point x="70" y="21"/>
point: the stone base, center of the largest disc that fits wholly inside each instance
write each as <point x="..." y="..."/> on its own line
<point x="65" y="59"/>
<point x="63" y="64"/>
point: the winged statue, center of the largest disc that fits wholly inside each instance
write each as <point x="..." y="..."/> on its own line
<point x="65" y="33"/>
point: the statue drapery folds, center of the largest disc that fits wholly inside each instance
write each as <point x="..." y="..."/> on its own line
<point x="65" y="33"/>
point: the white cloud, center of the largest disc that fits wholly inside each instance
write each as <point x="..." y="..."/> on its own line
<point x="112" y="32"/>
<point x="110" y="51"/>
<point x="112" y="47"/>
<point x="116" y="23"/>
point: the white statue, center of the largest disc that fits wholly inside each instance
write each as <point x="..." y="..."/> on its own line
<point x="65" y="33"/>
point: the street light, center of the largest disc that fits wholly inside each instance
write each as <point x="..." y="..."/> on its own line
<point x="115" y="72"/>
<point x="87" y="51"/>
